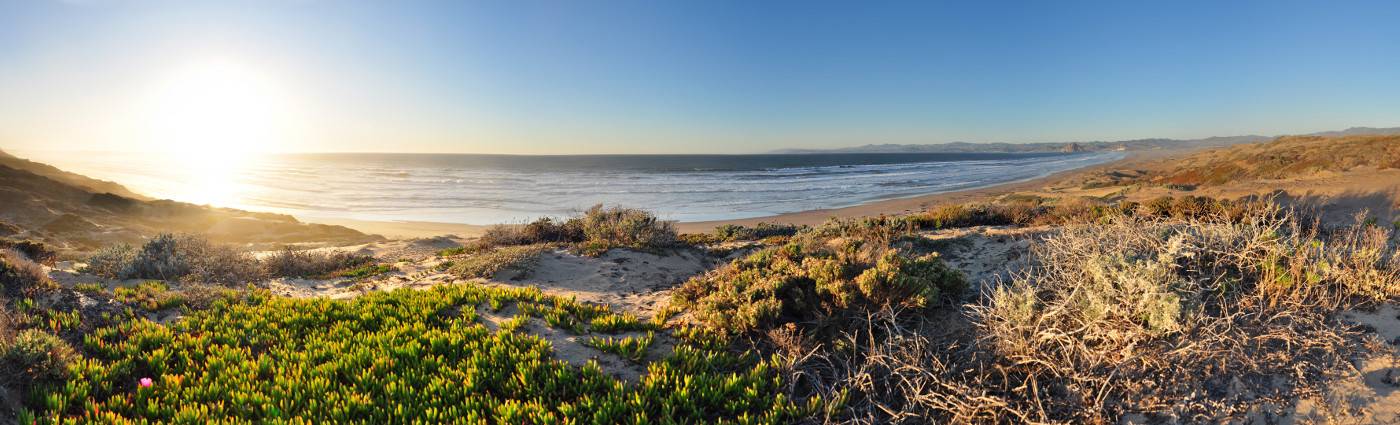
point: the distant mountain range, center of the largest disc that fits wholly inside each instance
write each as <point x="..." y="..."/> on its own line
<point x="1098" y="146"/>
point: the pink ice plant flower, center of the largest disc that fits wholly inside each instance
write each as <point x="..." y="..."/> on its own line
<point x="146" y="382"/>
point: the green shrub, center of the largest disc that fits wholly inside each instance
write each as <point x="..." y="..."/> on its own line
<point x="453" y="252"/>
<point x="363" y="272"/>
<point x="37" y="356"/>
<point x="595" y="231"/>
<point x="218" y="263"/>
<point x="630" y="348"/>
<point x="615" y="323"/>
<point x="618" y="227"/>
<point x="150" y="295"/>
<point x="730" y="232"/>
<point x="89" y="288"/>
<point x="817" y="279"/>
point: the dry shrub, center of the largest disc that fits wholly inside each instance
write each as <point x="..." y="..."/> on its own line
<point x="292" y="262"/>
<point x="595" y="231"/>
<point x="158" y="258"/>
<point x="544" y="230"/>
<point x="191" y="258"/>
<point x="20" y="276"/>
<point x="110" y="261"/>
<point x="218" y="263"/>
<point x="890" y="366"/>
<point x="1187" y="320"/>
<point x="36" y="251"/>
<point x="488" y="263"/>
<point x="201" y="296"/>
<point x="1191" y="319"/>
<point x="10" y="323"/>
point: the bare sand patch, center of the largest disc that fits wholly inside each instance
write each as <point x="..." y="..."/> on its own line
<point x="627" y="280"/>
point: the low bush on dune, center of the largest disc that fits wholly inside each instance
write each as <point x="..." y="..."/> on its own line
<point x="487" y="264"/>
<point x="544" y="230"/>
<point x="616" y="227"/>
<point x="292" y="262"/>
<point x="1067" y="211"/>
<point x="818" y="279"/>
<point x="595" y="231"/>
<point x="35" y="356"/>
<point x="402" y="356"/>
<point x="192" y="258"/>
<point x="735" y="233"/>
<point x="110" y="261"/>
<point x="1198" y="319"/>
<point x="176" y="257"/>
<point x="149" y="296"/>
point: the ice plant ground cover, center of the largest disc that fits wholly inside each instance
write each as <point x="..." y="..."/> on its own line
<point x="402" y="356"/>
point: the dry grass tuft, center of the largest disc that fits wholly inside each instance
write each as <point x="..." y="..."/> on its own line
<point x="292" y="262"/>
<point x="20" y="276"/>
<point x="486" y="264"/>
<point x="1185" y="319"/>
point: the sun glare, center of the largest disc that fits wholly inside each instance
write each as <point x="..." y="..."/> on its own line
<point x="210" y="117"/>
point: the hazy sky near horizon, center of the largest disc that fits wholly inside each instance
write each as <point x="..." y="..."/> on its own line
<point x="682" y="77"/>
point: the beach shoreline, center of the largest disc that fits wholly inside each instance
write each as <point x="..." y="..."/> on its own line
<point x="423" y="229"/>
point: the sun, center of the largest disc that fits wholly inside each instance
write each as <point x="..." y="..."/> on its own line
<point x="218" y="105"/>
<point x="210" y="116"/>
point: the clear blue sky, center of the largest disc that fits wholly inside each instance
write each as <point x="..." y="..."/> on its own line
<point x="700" y="76"/>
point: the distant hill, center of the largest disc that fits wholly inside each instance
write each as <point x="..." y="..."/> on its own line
<point x="1289" y="156"/>
<point x="1359" y="131"/>
<point x="77" y="213"/>
<point x="1283" y="158"/>
<point x="1097" y="146"/>
<point x="45" y="170"/>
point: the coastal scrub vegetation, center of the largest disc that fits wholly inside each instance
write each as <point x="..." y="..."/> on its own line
<point x="593" y="232"/>
<point x="1195" y="317"/>
<point x="819" y="278"/>
<point x="736" y="233"/>
<point x="192" y="258"/>
<point x="394" y="356"/>
<point x="488" y="263"/>
<point x="1177" y="309"/>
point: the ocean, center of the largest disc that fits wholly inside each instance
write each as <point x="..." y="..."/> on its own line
<point x="487" y="189"/>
